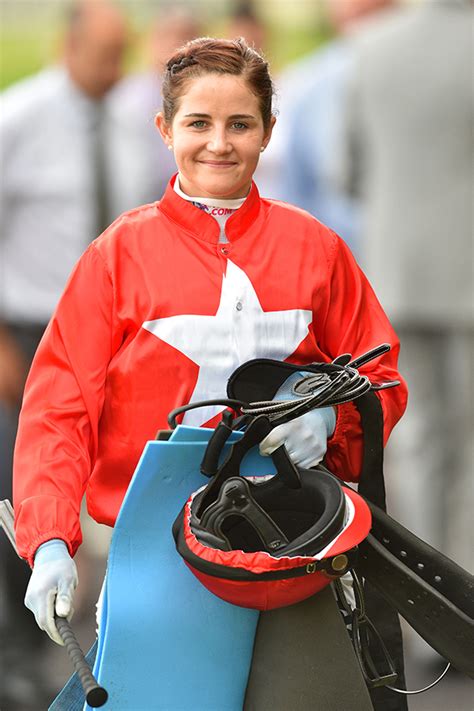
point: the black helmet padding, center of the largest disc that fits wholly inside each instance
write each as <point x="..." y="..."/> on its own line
<point x="302" y="521"/>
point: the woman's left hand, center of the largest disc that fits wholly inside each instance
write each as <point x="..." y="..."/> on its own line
<point x="305" y="437"/>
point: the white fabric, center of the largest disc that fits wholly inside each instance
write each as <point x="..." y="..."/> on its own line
<point x="135" y="100"/>
<point x="220" y="210"/>
<point x="45" y="186"/>
<point x="47" y="204"/>
<point x="218" y="343"/>
<point x="99" y="606"/>
<point x="348" y="589"/>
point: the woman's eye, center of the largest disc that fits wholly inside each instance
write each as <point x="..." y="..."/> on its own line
<point x="198" y="124"/>
<point x="239" y="125"/>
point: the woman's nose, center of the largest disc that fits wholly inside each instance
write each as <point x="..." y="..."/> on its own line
<point x="219" y="143"/>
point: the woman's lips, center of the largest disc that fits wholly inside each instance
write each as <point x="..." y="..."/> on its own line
<point x="218" y="163"/>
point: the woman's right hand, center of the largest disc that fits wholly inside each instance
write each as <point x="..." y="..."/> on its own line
<point x="51" y="588"/>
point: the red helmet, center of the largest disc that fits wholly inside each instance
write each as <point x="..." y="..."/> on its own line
<point x="267" y="542"/>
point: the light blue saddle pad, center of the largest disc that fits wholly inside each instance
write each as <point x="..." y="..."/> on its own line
<point x="165" y="642"/>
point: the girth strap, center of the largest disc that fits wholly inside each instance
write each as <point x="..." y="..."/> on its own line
<point x="429" y="590"/>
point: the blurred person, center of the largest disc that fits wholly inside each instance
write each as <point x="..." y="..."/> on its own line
<point x="314" y="116"/>
<point x="136" y="99"/>
<point x="244" y="21"/>
<point x="94" y="401"/>
<point x="52" y="202"/>
<point x="408" y="156"/>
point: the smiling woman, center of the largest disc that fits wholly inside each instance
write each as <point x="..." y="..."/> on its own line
<point x="217" y="134"/>
<point x="217" y="116"/>
<point x="169" y="301"/>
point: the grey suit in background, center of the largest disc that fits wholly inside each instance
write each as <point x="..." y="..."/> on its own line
<point x="407" y="151"/>
<point x="409" y="123"/>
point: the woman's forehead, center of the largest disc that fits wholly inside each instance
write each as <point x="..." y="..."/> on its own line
<point x="218" y="93"/>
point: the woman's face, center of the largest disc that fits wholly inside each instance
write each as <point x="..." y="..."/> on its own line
<point x="217" y="135"/>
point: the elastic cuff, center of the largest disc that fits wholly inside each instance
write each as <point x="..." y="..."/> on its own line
<point x="343" y="420"/>
<point x="44" y="538"/>
<point x="49" y="544"/>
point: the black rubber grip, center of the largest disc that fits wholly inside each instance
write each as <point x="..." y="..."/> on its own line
<point x="96" y="695"/>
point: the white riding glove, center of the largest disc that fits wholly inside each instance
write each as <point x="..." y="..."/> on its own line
<point x="305" y="437"/>
<point x="51" y="587"/>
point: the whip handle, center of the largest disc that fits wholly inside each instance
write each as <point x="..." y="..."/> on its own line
<point x="96" y="695"/>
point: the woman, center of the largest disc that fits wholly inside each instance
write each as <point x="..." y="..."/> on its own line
<point x="168" y="302"/>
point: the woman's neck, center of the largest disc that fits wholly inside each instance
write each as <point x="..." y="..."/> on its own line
<point x="233" y="203"/>
<point x="220" y="209"/>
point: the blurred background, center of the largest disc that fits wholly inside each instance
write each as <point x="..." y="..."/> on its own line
<point x="373" y="137"/>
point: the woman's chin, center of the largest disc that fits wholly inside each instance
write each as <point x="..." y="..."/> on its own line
<point x="219" y="186"/>
<point x="224" y="190"/>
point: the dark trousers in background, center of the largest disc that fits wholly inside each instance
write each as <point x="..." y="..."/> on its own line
<point x="22" y="641"/>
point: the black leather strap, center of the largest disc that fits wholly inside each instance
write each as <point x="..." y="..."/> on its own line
<point x="381" y="613"/>
<point x="433" y="593"/>
<point x="371" y="480"/>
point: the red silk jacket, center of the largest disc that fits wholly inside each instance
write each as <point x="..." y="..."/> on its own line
<point x="158" y="313"/>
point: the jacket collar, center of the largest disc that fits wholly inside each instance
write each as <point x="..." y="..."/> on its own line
<point x="204" y="226"/>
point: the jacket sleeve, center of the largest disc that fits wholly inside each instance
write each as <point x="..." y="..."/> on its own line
<point x="58" y="427"/>
<point x="355" y="323"/>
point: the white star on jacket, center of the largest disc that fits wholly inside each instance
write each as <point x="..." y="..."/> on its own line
<point x="239" y="331"/>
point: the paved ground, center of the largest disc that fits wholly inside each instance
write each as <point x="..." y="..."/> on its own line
<point x="454" y="693"/>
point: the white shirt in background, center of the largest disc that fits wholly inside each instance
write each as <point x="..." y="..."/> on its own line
<point x="47" y="196"/>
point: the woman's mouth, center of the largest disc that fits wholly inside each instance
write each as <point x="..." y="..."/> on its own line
<point x="218" y="163"/>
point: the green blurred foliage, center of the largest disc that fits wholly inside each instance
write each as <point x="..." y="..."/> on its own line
<point x="22" y="52"/>
<point x="29" y="40"/>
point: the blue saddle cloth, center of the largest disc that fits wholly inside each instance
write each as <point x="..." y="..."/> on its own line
<point x="165" y="642"/>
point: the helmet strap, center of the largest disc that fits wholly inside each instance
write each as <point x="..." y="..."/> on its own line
<point x="257" y="429"/>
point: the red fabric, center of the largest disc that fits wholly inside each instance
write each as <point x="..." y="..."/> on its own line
<point x="262" y="595"/>
<point x="358" y="529"/>
<point x="267" y="595"/>
<point x="261" y="562"/>
<point x="101" y="385"/>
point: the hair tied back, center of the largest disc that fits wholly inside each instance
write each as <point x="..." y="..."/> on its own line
<point x="177" y="66"/>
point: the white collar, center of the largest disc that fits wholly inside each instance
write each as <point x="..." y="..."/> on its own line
<point x="212" y="202"/>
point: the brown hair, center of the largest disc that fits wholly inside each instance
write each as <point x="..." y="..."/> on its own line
<point x="219" y="56"/>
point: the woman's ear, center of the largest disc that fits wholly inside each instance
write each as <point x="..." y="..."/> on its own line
<point x="268" y="132"/>
<point x="163" y="128"/>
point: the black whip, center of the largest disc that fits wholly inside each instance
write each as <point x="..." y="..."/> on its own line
<point x="322" y="385"/>
<point x="95" y="694"/>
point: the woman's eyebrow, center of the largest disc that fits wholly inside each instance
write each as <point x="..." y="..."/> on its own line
<point x="208" y="116"/>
